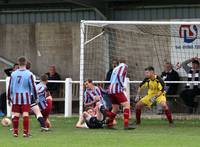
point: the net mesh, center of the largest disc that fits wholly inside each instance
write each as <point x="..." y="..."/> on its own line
<point x="141" y="46"/>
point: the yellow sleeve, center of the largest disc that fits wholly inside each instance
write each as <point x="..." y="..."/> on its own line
<point x="160" y="87"/>
<point x="161" y="84"/>
<point x="144" y="83"/>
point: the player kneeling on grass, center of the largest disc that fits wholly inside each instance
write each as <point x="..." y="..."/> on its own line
<point x="156" y="94"/>
<point x="44" y="99"/>
<point x="91" y="118"/>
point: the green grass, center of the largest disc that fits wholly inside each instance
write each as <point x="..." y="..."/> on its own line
<point x="151" y="133"/>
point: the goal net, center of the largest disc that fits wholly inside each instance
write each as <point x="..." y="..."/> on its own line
<point x="141" y="44"/>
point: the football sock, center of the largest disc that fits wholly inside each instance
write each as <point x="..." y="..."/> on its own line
<point x="15" y="122"/>
<point x="168" y="115"/>
<point x="26" y="124"/>
<point x="126" y="117"/>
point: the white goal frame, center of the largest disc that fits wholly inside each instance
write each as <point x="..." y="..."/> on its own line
<point x="83" y="42"/>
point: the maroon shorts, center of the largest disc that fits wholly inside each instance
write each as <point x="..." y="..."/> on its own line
<point x="118" y="98"/>
<point x="20" y="108"/>
<point x="47" y="111"/>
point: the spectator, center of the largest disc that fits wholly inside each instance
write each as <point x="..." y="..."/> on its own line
<point x="3" y="107"/>
<point x="109" y="73"/>
<point x="53" y="75"/>
<point x="191" y="90"/>
<point x="8" y="71"/>
<point x="169" y="74"/>
<point x="54" y="88"/>
<point x="108" y="76"/>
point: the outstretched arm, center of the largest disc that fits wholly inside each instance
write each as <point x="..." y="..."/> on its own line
<point x="81" y="121"/>
<point x="185" y="64"/>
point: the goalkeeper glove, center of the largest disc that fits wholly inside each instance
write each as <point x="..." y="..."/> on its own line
<point x="137" y="98"/>
<point x="153" y="99"/>
<point x="166" y="88"/>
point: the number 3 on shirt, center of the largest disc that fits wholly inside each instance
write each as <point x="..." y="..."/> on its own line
<point x="19" y="79"/>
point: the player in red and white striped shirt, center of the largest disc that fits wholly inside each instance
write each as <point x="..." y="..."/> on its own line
<point x="116" y="92"/>
<point x="21" y="86"/>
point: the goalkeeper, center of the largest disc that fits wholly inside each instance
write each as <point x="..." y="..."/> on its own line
<point x="156" y="94"/>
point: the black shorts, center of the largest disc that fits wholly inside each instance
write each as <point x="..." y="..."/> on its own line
<point x="93" y="123"/>
<point x="33" y="102"/>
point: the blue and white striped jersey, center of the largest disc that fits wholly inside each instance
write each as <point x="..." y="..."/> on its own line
<point x="21" y="86"/>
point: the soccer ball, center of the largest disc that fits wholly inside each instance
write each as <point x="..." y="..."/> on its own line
<point x="6" y="122"/>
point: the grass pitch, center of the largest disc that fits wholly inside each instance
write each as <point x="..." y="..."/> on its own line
<point x="151" y="133"/>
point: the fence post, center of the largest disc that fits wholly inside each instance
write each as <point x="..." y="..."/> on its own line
<point x="68" y="97"/>
<point x="8" y="107"/>
<point x="127" y="86"/>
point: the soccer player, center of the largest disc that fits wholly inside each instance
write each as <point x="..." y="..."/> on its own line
<point x="116" y="92"/>
<point x="94" y="119"/>
<point x="45" y="99"/>
<point x="34" y="106"/>
<point x="156" y="94"/>
<point x="20" y="88"/>
<point x="93" y="96"/>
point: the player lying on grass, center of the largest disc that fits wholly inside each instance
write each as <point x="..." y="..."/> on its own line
<point x="116" y="93"/>
<point x="91" y="118"/>
<point x="156" y="94"/>
<point x="44" y="99"/>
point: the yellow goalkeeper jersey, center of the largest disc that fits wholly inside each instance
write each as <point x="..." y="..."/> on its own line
<point x="153" y="86"/>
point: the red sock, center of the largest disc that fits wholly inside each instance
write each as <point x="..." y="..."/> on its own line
<point x="108" y="113"/>
<point x="138" y="115"/>
<point x="111" y="118"/>
<point x="26" y="124"/>
<point x="15" y="122"/>
<point x="126" y="117"/>
<point x="168" y="115"/>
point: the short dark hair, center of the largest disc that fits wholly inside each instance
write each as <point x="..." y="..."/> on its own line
<point x="22" y="61"/>
<point x="149" y="68"/>
<point x="115" y="60"/>
<point x="16" y="64"/>
<point x="89" y="81"/>
<point x="44" y="77"/>
<point x="28" y="65"/>
<point x="122" y="60"/>
<point x="195" y="62"/>
<point x="168" y="63"/>
<point x="88" y="108"/>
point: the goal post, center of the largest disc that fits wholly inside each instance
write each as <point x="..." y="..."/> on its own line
<point x="140" y="43"/>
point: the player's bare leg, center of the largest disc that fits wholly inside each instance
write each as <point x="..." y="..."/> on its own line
<point x="138" y="108"/>
<point x="100" y="116"/>
<point x="167" y="112"/>
<point x="48" y="123"/>
<point x="38" y="114"/>
<point x="15" y="122"/>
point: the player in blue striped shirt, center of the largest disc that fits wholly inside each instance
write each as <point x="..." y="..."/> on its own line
<point x="21" y="86"/>
<point x="92" y="95"/>
<point x="44" y="97"/>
